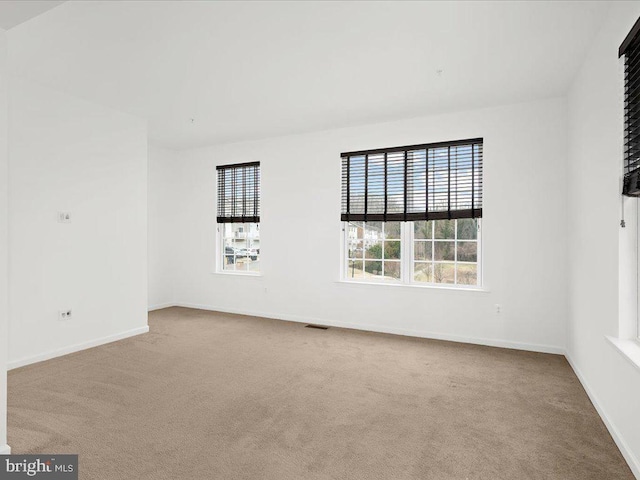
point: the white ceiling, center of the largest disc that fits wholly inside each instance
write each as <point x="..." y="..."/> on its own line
<point x="14" y="12"/>
<point x="246" y="70"/>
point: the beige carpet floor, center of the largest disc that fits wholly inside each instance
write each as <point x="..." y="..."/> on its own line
<point x="213" y="396"/>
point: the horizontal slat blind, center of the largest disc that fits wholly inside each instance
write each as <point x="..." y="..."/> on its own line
<point x="631" y="51"/>
<point x="239" y="193"/>
<point x="418" y="182"/>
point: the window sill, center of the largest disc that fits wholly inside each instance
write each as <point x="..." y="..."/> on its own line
<point x="415" y="285"/>
<point x="629" y="349"/>
<point x="238" y="274"/>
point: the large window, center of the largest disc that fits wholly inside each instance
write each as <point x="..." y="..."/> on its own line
<point x="239" y="218"/>
<point x="424" y="252"/>
<point x="412" y="214"/>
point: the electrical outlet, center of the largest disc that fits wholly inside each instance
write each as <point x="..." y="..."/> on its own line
<point x="64" y="315"/>
<point x="64" y="217"/>
<point x="498" y="308"/>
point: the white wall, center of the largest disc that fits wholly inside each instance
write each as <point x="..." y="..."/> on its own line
<point x="66" y="154"/>
<point x="162" y="212"/>
<point x="4" y="242"/>
<point x="599" y="249"/>
<point x="523" y="230"/>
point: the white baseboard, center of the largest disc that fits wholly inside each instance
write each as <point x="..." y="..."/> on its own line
<point x="381" y="329"/>
<point x="75" y="348"/>
<point x="627" y="453"/>
<point x="160" y="306"/>
<point x="5" y="449"/>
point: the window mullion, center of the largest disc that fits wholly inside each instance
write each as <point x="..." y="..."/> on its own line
<point x="455" y="252"/>
<point x="345" y="251"/>
<point x="479" y="259"/>
<point x="404" y="251"/>
<point x="407" y="251"/>
<point x="412" y="252"/>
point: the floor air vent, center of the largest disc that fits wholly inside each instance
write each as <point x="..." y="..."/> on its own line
<point x="319" y="327"/>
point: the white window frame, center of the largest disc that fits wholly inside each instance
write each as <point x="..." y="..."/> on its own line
<point x="637" y="239"/>
<point x="407" y="242"/>
<point x="220" y="254"/>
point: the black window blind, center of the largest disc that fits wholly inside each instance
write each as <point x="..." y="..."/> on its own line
<point x="418" y="182"/>
<point x="239" y="193"/>
<point x="630" y="49"/>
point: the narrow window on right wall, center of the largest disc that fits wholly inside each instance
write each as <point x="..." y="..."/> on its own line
<point x="412" y="214"/>
<point x="630" y="49"/>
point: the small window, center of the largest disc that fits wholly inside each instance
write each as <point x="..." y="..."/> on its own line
<point x="412" y="214"/>
<point x="239" y="218"/>
<point x="241" y="244"/>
